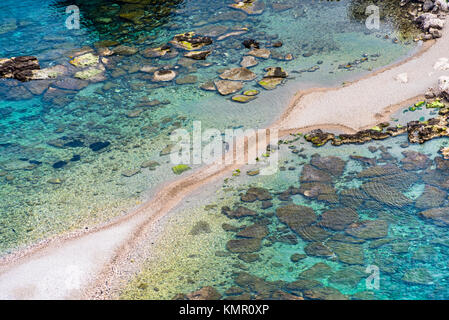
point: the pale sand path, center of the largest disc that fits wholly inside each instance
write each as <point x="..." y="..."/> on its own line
<point x="87" y="264"/>
<point x="355" y="104"/>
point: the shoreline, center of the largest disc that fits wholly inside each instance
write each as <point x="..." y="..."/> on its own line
<point x="110" y="245"/>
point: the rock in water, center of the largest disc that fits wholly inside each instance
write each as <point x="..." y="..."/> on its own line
<point x="197" y="55"/>
<point x="244" y="245"/>
<point x="296" y="217"/>
<point x="385" y="194"/>
<point x="250" y="7"/>
<point x="19" y="68"/>
<point x="164" y="75"/>
<point x="238" y="74"/>
<point x="190" y="41"/>
<point x="369" y="229"/>
<point x="338" y="218"/>
<point x="439" y="216"/>
<point x="205" y="293"/>
<point x="226" y="87"/>
<point x="248" y="61"/>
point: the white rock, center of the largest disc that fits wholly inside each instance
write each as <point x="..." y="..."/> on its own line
<point x="441" y="64"/>
<point x="443" y="84"/>
<point x="442" y="4"/>
<point x="402" y="77"/>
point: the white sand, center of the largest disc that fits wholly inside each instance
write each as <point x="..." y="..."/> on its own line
<point x="355" y="104"/>
<point x="85" y="265"/>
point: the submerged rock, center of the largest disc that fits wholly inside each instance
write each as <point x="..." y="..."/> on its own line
<point x="333" y="165"/>
<point x="317" y="249"/>
<point x="270" y="83"/>
<point x="244" y="245"/>
<point x="350" y="253"/>
<point x="254" y="194"/>
<point x="369" y="229"/>
<point x="348" y="276"/>
<point x="256" y="231"/>
<point x="197" y="55"/>
<point x="70" y="84"/>
<point x="49" y="73"/>
<point x="248" y="61"/>
<point x="311" y="174"/>
<point x="432" y="197"/>
<point x="208" y="86"/>
<point x="296" y="216"/>
<point x="199" y="228"/>
<point x="238" y="74"/>
<point x="420" y="276"/>
<point x="85" y="60"/>
<point x="239" y="212"/>
<point x="313" y="233"/>
<point x="19" y="68"/>
<point x="319" y="191"/>
<point x="250" y="7"/>
<point x="260" y="53"/>
<point x="386" y="194"/>
<point x="226" y="87"/>
<point x="190" y="41"/>
<point x="164" y="75"/>
<point x="338" y="219"/>
<point x="415" y="160"/>
<point x="242" y="98"/>
<point x="205" y="293"/>
<point x="160" y="52"/>
<point x="319" y="270"/>
<point x="439" y="216"/>
<point x="275" y="72"/>
<point x="125" y="50"/>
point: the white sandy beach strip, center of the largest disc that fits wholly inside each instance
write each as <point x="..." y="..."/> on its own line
<point x="66" y="268"/>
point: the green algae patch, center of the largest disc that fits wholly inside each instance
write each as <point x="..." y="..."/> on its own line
<point x="270" y="83"/>
<point x="180" y="168"/>
<point x="242" y="98"/>
<point x="437" y="104"/>
<point x="251" y="93"/>
<point x="85" y="60"/>
<point x="420" y="104"/>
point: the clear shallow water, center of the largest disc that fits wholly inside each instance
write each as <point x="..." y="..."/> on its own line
<point x="35" y="127"/>
<point x="409" y="251"/>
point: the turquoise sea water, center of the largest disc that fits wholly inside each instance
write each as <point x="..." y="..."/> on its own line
<point x="53" y="179"/>
<point x="386" y="193"/>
